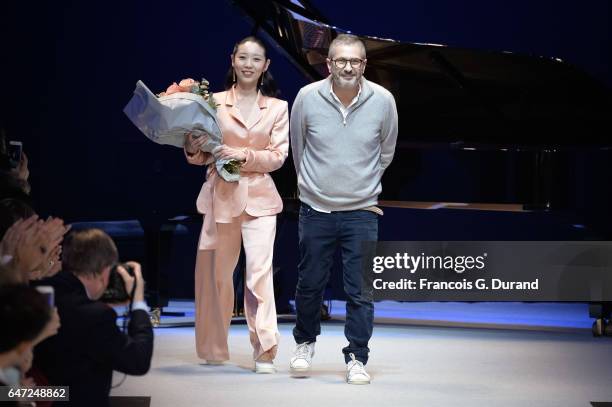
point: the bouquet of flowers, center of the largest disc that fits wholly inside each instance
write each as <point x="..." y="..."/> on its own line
<point x="186" y="107"/>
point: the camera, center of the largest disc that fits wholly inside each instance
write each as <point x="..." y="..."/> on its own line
<point x="115" y="291"/>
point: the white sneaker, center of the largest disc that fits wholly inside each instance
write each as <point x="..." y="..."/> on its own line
<point x="356" y="373"/>
<point x="299" y="366"/>
<point x="264" y="367"/>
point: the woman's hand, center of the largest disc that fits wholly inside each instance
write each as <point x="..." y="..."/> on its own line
<point x="53" y="230"/>
<point x="50" y="266"/>
<point x="10" y="240"/>
<point x="31" y="244"/>
<point x="229" y="153"/>
<point x="194" y="143"/>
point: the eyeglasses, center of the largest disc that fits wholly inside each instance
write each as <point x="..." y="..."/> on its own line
<point x="341" y="62"/>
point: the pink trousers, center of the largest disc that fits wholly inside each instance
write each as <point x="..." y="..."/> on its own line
<point x="214" y="289"/>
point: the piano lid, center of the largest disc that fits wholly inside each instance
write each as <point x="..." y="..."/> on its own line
<point x="455" y="97"/>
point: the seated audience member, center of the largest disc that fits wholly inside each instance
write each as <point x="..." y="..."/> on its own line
<point x="89" y="345"/>
<point x="26" y="318"/>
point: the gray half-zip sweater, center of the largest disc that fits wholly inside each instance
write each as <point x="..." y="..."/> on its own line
<point x="339" y="163"/>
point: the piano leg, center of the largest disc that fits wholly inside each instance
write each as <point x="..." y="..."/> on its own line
<point x="156" y="240"/>
<point x="542" y="181"/>
<point x="601" y="312"/>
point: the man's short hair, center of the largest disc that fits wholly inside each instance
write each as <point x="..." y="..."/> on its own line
<point x="88" y="251"/>
<point x="24" y="313"/>
<point x="345" y="39"/>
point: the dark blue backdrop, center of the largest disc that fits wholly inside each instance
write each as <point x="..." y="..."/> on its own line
<point x="70" y="67"/>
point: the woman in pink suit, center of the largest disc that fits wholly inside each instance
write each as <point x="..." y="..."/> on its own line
<point x="255" y="128"/>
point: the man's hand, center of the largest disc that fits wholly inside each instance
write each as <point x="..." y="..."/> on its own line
<point x="129" y="280"/>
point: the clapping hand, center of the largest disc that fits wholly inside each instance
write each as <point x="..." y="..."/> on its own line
<point x="34" y="245"/>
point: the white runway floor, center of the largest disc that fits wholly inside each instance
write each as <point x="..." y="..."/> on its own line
<point x="410" y="365"/>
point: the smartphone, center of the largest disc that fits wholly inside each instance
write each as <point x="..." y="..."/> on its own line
<point x="48" y="292"/>
<point x="15" y="148"/>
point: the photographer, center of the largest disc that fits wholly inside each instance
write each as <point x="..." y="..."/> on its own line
<point x="89" y="345"/>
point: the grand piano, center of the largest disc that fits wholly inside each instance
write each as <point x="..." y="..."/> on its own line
<point x="510" y="120"/>
<point x="491" y="146"/>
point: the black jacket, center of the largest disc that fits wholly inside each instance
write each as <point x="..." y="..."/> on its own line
<point x="89" y="345"/>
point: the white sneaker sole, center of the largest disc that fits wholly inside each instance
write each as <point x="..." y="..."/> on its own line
<point x="358" y="382"/>
<point x="265" y="370"/>
<point x="299" y="371"/>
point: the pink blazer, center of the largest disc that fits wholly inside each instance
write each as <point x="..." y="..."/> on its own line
<point x="266" y="141"/>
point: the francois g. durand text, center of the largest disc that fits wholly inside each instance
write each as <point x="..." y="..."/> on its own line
<point x="464" y="284"/>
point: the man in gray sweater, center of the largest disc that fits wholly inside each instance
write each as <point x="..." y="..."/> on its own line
<point x="343" y="133"/>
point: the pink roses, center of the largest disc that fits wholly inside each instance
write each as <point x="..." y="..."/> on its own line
<point x="186" y="85"/>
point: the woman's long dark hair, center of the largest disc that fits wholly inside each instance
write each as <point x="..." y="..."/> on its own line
<point x="269" y="87"/>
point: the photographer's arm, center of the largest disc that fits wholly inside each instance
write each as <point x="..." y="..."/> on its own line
<point x="132" y="353"/>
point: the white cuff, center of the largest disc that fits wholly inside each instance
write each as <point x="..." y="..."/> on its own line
<point x="140" y="305"/>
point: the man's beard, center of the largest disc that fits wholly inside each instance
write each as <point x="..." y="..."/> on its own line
<point x="343" y="82"/>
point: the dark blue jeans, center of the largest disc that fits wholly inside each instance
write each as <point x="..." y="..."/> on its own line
<point x="320" y="234"/>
